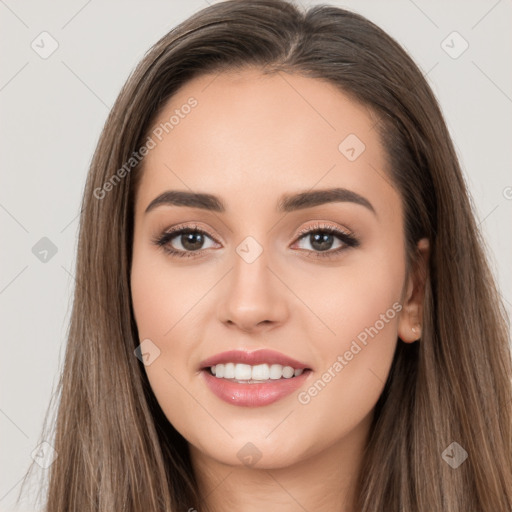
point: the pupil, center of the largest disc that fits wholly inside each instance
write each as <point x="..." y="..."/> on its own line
<point x="322" y="242"/>
<point x="187" y="240"/>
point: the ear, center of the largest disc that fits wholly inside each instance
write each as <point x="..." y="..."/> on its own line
<point x="411" y="317"/>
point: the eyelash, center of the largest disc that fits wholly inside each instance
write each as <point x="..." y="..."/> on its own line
<point x="348" y="240"/>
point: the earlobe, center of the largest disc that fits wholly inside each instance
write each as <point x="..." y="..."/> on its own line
<point x="411" y="317"/>
<point x="409" y="324"/>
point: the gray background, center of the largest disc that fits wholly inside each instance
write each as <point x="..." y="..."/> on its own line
<point x="52" y="111"/>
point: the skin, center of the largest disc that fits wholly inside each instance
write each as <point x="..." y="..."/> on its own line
<point x="250" y="139"/>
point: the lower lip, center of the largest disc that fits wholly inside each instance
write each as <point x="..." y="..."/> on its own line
<point x="253" y="395"/>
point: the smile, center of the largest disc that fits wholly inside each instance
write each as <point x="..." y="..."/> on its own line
<point x="245" y="373"/>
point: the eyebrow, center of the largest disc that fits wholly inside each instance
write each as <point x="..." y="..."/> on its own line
<point x="287" y="203"/>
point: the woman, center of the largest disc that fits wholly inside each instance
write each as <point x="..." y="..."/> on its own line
<point x="282" y="298"/>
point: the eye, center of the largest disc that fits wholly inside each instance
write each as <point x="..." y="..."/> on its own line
<point x="321" y="239"/>
<point x="189" y="240"/>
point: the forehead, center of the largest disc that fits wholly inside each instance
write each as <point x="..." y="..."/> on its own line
<point x="265" y="135"/>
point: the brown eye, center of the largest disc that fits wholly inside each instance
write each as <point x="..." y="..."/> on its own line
<point x="322" y="238"/>
<point x="183" y="242"/>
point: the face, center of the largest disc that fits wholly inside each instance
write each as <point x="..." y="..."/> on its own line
<point x="269" y="260"/>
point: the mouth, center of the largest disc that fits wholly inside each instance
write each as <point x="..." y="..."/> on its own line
<point x="253" y="379"/>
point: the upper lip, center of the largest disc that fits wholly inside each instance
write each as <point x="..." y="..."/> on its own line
<point x="252" y="358"/>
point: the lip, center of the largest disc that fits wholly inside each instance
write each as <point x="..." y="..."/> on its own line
<point x="253" y="395"/>
<point x="252" y="358"/>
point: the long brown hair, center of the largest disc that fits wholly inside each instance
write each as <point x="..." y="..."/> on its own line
<point x="116" y="449"/>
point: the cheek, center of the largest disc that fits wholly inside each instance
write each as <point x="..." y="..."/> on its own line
<point x="351" y="298"/>
<point x="356" y="355"/>
<point x="162" y="296"/>
<point x="161" y="301"/>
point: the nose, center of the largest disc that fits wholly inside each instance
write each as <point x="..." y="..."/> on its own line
<point x="255" y="298"/>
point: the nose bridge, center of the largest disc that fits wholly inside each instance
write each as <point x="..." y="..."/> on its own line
<point x="254" y="295"/>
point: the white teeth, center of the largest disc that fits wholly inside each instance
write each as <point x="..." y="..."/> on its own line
<point x="242" y="372"/>
<point x="260" y="372"/>
<point x="276" y="371"/>
<point x="219" y="371"/>
<point x="229" y="371"/>
<point x="288" y="372"/>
